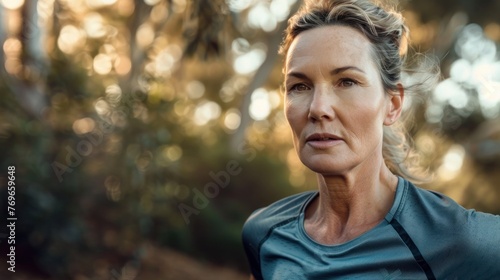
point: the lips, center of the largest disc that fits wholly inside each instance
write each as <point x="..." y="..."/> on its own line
<point x="323" y="141"/>
<point x="322" y="137"/>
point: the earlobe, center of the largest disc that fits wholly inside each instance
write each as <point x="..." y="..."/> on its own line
<point x="395" y="106"/>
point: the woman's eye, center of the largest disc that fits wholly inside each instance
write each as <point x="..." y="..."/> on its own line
<point x="347" y="83"/>
<point x="299" y="87"/>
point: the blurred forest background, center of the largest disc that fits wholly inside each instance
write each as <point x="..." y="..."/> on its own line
<point x="145" y="132"/>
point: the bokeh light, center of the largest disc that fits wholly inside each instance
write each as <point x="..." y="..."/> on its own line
<point x="172" y="153"/>
<point x="477" y="70"/>
<point x="195" y="89"/>
<point x="93" y="24"/>
<point x="239" y="5"/>
<point x="102" y="64"/>
<point x="232" y="119"/>
<point x="122" y="65"/>
<point x="250" y="61"/>
<point x="71" y="38"/>
<point x="261" y="17"/>
<point x="95" y="4"/>
<point x="206" y="111"/>
<point x="145" y="35"/>
<point x="12" y="4"/>
<point x="260" y="107"/>
<point x="452" y="163"/>
<point x="84" y="125"/>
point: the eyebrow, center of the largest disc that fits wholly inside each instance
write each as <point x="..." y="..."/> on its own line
<point x="335" y="71"/>
<point x="345" y="68"/>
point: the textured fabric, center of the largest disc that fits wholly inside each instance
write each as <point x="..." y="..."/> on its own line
<point x="425" y="235"/>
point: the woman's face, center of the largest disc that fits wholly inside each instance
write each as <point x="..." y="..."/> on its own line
<point x="335" y="103"/>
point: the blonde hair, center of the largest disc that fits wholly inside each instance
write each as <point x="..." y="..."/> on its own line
<point x="388" y="34"/>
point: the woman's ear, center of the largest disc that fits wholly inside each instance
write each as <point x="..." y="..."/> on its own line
<point x="395" y="106"/>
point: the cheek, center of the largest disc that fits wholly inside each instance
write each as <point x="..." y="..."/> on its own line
<point x="372" y="109"/>
<point x="371" y="120"/>
<point x="293" y="113"/>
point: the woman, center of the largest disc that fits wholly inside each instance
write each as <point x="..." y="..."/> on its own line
<point x="344" y="98"/>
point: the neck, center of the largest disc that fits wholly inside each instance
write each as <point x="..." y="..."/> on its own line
<point x="350" y="205"/>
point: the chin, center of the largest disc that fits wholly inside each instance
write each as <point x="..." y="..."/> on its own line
<point x="326" y="164"/>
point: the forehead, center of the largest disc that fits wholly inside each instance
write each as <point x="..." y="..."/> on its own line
<point x="343" y="44"/>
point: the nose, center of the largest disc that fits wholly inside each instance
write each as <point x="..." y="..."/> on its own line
<point x="321" y="107"/>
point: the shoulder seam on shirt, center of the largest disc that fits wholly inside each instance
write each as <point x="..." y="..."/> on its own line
<point x="406" y="186"/>
<point x="269" y="234"/>
<point x="271" y="230"/>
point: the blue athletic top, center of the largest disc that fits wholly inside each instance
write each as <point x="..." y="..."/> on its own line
<point x="425" y="235"/>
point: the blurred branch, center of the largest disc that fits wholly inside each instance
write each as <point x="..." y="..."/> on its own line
<point x="204" y="26"/>
<point x="137" y="54"/>
<point x="33" y="40"/>
<point x="447" y="33"/>
<point x="29" y="86"/>
<point x="273" y="42"/>
<point x="2" y="40"/>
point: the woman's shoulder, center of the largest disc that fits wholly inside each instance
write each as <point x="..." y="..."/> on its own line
<point x="433" y="205"/>
<point x="438" y="223"/>
<point x="434" y="208"/>
<point x="281" y="211"/>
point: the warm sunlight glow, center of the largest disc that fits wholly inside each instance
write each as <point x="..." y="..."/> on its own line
<point x="165" y="60"/>
<point x="249" y="62"/>
<point x="152" y="2"/>
<point x="232" y="119"/>
<point x="70" y="39"/>
<point x="452" y="163"/>
<point x="238" y="5"/>
<point x="206" y="111"/>
<point x="45" y="9"/>
<point x="13" y="65"/>
<point x="12" y="4"/>
<point x="179" y="6"/>
<point x="113" y="94"/>
<point x="102" y="64"/>
<point x="76" y="6"/>
<point x="260" y="106"/>
<point x="426" y="144"/>
<point x="94" y="4"/>
<point x="12" y="47"/>
<point x="195" y="89"/>
<point x="172" y="153"/>
<point x="451" y="92"/>
<point x="492" y="30"/>
<point x="93" y="25"/>
<point x="83" y="126"/>
<point x="159" y="13"/>
<point x="280" y="9"/>
<point x="145" y="35"/>
<point x="261" y="17"/>
<point x="122" y="65"/>
<point x="102" y="107"/>
<point x="125" y="7"/>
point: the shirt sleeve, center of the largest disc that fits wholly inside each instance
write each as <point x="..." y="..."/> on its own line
<point x="250" y="239"/>
<point x="483" y="243"/>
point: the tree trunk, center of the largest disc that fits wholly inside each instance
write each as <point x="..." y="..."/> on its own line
<point x="273" y="42"/>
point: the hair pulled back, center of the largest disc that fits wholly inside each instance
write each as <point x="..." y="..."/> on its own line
<point x="388" y="35"/>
